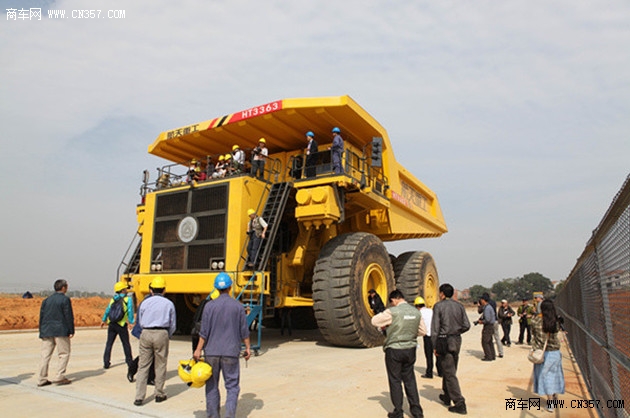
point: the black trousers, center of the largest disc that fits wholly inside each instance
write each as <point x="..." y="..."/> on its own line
<point x="523" y="326"/>
<point x="507" y="327"/>
<point x="428" y="354"/>
<point x="114" y="330"/>
<point x="448" y="364"/>
<point x="486" y="341"/>
<point x="400" y="370"/>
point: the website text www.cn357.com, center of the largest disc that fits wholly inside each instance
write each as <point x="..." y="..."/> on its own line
<point x="37" y="14"/>
<point x="538" y="404"/>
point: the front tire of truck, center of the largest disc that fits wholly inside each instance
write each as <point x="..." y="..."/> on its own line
<point x="348" y="266"/>
<point x="416" y="275"/>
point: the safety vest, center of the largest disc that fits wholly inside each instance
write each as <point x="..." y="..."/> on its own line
<point x="403" y="332"/>
<point x="256" y="226"/>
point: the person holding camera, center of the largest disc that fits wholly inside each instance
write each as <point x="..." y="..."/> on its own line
<point x="404" y="325"/>
<point x="505" y="315"/>
<point x="525" y="314"/>
<point x="260" y="154"/>
<point x="488" y="319"/>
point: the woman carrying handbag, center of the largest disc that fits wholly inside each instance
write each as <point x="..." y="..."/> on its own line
<point x="548" y="375"/>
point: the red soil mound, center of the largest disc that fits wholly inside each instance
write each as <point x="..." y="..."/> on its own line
<point x="18" y="313"/>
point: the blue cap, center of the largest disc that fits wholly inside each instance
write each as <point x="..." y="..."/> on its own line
<point x="310" y="133"/>
<point x="222" y="281"/>
<point x="336" y="130"/>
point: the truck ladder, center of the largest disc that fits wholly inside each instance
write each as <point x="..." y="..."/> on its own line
<point x="132" y="266"/>
<point x="272" y="214"/>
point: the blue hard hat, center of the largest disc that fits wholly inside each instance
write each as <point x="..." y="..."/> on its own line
<point x="222" y="281"/>
<point x="336" y="130"/>
<point x="310" y="133"/>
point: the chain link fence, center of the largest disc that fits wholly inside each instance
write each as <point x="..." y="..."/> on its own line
<point x="595" y="302"/>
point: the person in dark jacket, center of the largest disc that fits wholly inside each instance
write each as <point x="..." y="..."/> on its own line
<point x="311" y="155"/>
<point x="505" y="314"/>
<point x="56" y="327"/>
<point x="376" y="303"/>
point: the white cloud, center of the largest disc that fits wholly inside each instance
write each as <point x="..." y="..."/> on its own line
<point x="514" y="113"/>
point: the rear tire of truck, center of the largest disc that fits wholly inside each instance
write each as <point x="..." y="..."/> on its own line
<point x="416" y="275"/>
<point x="348" y="266"/>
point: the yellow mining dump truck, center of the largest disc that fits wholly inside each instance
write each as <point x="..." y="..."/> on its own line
<point x="323" y="249"/>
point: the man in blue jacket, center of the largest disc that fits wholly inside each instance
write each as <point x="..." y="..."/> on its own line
<point x="56" y="327"/>
<point x="119" y="328"/>
<point x="223" y="328"/>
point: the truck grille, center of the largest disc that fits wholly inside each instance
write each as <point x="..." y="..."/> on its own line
<point x="208" y="207"/>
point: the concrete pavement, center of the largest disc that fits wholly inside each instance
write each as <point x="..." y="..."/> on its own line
<point x="298" y="376"/>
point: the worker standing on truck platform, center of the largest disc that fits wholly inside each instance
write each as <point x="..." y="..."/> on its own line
<point x="238" y="160"/>
<point x="223" y="328"/>
<point x="311" y="155"/>
<point x="256" y="229"/>
<point x="260" y="153"/>
<point x="404" y="325"/>
<point x="337" y="150"/>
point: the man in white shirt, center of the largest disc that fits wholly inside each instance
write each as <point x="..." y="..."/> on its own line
<point x="427" y="316"/>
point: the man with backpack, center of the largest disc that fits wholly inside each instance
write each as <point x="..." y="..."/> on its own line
<point x="118" y="314"/>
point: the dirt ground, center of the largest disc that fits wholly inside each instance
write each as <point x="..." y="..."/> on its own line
<point x="18" y="313"/>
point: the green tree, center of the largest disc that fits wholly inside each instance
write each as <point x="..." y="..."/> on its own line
<point x="476" y="291"/>
<point x="505" y="289"/>
<point x="532" y="282"/>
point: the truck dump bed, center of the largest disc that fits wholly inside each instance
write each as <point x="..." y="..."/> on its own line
<point x="409" y="208"/>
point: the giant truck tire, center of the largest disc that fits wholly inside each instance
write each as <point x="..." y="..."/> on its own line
<point x="348" y="266"/>
<point x="416" y="275"/>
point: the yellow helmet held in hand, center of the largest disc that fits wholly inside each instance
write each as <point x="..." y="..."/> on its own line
<point x="120" y="286"/>
<point x="419" y="301"/>
<point x="199" y="373"/>
<point x="184" y="369"/>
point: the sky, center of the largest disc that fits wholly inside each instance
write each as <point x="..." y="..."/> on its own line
<point x="515" y="113"/>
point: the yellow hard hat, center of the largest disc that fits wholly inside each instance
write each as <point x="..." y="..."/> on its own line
<point x="235" y="147"/>
<point x="120" y="286"/>
<point x="158" y="283"/>
<point x="250" y="212"/>
<point x="228" y="156"/>
<point x="184" y="370"/>
<point x="263" y="140"/>
<point x="221" y="157"/>
<point x="419" y="301"/>
<point x="193" y="161"/>
<point x="197" y="384"/>
<point x="199" y="373"/>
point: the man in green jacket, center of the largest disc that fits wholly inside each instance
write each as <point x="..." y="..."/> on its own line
<point x="56" y="327"/>
<point x="404" y="326"/>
